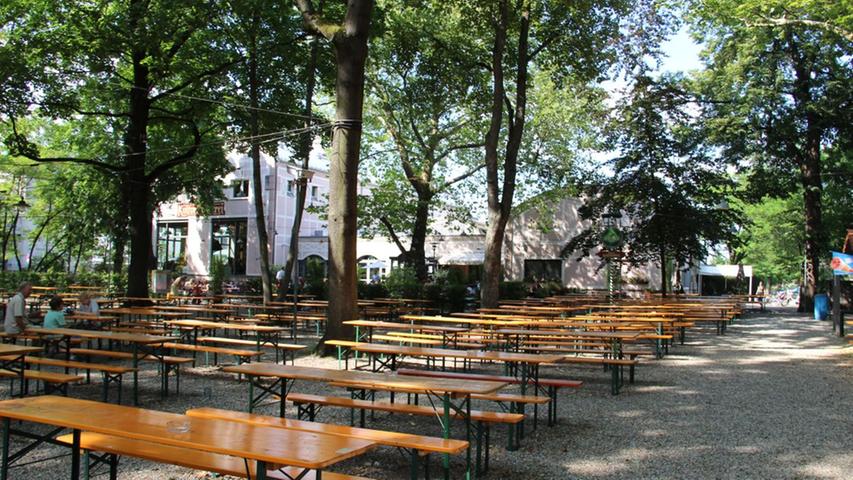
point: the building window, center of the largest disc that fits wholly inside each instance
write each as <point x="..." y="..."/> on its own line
<point x="543" y="270"/>
<point x="267" y="184"/>
<point x="314" y="193"/>
<point x="290" y="187"/>
<point x="228" y="244"/>
<point x="171" y="245"/>
<point x="240" y="188"/>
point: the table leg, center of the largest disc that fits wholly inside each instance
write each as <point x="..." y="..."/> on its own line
<point x="446" y="432"/>
<point x="261" y="470"/>
<point x="4" y="466"/>
<point x="75" y="455"/>
<point x="135" y="374"/>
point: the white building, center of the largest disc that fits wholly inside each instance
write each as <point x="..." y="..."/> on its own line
<point x="230" y="231"/>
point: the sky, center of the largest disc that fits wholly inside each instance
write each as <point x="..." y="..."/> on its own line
<point x="682" y="54"/>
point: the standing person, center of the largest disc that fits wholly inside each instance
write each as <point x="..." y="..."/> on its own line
<point x="16" y="310"/>
<point x="87" y="304"/>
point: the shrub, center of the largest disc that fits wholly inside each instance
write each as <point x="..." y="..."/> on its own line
<point x="403" y="283"/>
<point x="514" y="290"/>
<point x="371" y="290"/>
<point x="217" y="275"/>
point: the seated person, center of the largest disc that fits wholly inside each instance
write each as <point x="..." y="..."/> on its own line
<point x="54" y="319"/>
<point x="87" y="304"/>
<point x="15" y="321"/>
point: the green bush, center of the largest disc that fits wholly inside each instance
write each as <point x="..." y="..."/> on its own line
<point x="514" y="290"/>
<point x="218" y="268"/>
<point x="403" y="283"/>
<point x="371" y="290"/>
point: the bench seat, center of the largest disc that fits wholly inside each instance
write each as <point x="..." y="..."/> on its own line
<point x="420" y="443"/>
<point x="185" y="457"/>
<point x="249" y="343"/>
<point x="53" y="382"/>
<point x="94" y="352"/>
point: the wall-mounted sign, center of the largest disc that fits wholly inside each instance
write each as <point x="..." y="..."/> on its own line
<point x="186" y="210"/>
<point x="190" y="210"/>
<point x="218" y="209"/>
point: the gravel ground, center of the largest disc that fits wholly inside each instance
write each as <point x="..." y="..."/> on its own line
<point x="773" y="398"/>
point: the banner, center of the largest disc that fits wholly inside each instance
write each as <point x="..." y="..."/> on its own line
<point x="841" y="263"/>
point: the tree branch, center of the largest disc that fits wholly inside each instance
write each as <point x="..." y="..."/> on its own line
<point x="783" y="21"/>
<point x="459" y="178"/>
<point x="178" y="160"/>
<point x="385" y="222"/>
<point x="186" y="83"/>
<point x="313" y="23"/>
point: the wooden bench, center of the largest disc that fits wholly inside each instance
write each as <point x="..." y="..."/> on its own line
<point x="110" y="373"/>
<point x="286" y="348"/>
<point x="428" y="336"/>
<point x="417" y="445"/>
<point x="307" y="407"/>
<point x="239" y="354"/>
<point x="51" y="382"/>
<point x="114" y="447"/>
<point x="170" y="363"/>
<point x="552" y="385"/>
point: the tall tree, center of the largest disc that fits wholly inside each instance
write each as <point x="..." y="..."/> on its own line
<point x="266" y="34"/>
<point x="779" y="79"/>
<point x="138" y="68"/>
<point x="427" y="136"/>
<point x="579" y="41"/>
<point x="665" y="183"/>
<point x="315" y="65"/>
<point x="348" y="38"/>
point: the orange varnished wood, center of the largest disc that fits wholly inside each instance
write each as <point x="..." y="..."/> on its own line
<point x="17" y="350"/>
<point x="489" y="355"/>
<point x="393" y="439"/>
<point x="273" y="445"/>
<point x="184" y="457"/>
<point x="229" y="326"/>
<point x="140" y="338"/>
<point x="375" y="381"/>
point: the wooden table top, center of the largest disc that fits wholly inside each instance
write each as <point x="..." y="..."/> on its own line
<point x="230" y="326"/>
<point x="491" y="355"/>
<point x="458" y="320"/>
<point x="277" y="446"/>
<point x="405" y="326"/>
<point x="623" y="335"/>
<point x="141" y="338"/>
<point x="90" y="317"/>
<point x="12" y="349"/>
<point x="369" y="380"/>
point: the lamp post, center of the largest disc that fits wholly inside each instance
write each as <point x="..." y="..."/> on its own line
<point x="612" y="240"/>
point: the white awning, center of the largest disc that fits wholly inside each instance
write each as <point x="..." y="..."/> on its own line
<point x="463" y="258"/>
<point x="728" y="271"/>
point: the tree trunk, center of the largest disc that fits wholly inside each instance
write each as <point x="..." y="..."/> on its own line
<point x="14" y="236"/>
<point x="808" y="157"/>
<point x="417" y="248"/>
<point x="140" y="243"/>
<point x="304" y="153"/>
<point x="812" y="202"/>
<point x="350" y="45"/>
<point x="6" y="234"/>
<point x="663" y="271"/>
<point x="257" y="181"/>
<point x="119" y="243"/>
<point x="500" y="197"/>
<point x="136" y="181"/>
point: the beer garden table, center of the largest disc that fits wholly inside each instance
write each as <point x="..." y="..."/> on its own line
<point x="266" y="446"/>
<point x="140" y="343"/>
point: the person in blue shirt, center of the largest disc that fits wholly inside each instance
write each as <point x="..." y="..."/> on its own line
<point x="55" y="318"/>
